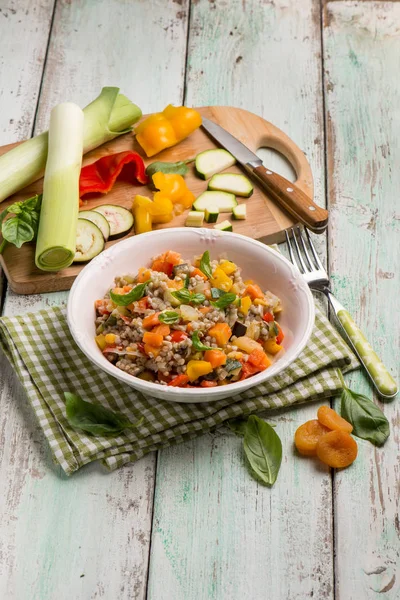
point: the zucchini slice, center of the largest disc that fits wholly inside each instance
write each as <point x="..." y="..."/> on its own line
<point x="224" y="201"/>
<point x="211" y="214"/>
<point x="210" y="162"/>
<point x="89" y="241"/>
<point x="194" y="218"/>
<point x="98" y="219"/>
<point x="224" y="226"/>
<point x="119" y="218"/>
<point x="239" y="212"/>
<point x="231" y="182"/>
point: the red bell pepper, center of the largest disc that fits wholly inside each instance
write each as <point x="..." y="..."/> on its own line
<point x="100" y="176"/>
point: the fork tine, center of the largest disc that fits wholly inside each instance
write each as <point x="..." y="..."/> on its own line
<point x="303" y="264"/>
<point x="289" y="243"/>
<point x="304" y="248"/>
<point x="315" y="255"/>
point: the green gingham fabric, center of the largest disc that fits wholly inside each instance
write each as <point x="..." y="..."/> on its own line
<point x="47" y="361"/>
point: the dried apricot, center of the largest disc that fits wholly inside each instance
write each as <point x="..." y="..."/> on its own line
<point x="307" y="436"/>
<point x="337" y="449"/>
<point x="329" y="417"/>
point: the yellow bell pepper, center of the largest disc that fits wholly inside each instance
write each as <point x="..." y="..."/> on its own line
<point x="163" y="130"/>
<point x="174" y="187"/>
<point x="245" y="305"/>
<point x="272" y="347"/>
<point x="110" y="338"/>
<point x="228" y="267"/>
<point x="197" y="368"/>
<point x="221" y="280"/>
<point x="142" y="219"/>
<point x="101" y="341"/>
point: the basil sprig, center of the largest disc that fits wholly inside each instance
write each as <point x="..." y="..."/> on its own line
<point x="188" y="297"/>
<point x="23" y="226"/>
<point x="177" y="168"/>
<point x="224" y="301"/>
<point x="169" y="317"/>
<point x="135" y="294"/>
<point x="95" y="418"/>
<point x="197" y="344"/>
<point x="369" y="422"/>
<point x="217" y="293"/>
<point x="205" y="265"/>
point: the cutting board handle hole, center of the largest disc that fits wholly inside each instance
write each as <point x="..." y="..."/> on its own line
<point x="275" y="161"/>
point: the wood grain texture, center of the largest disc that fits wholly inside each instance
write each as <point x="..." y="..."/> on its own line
<point x="89" y="534"/>
<point x="362" y="55"/>
<point x="216" y="533"/>
<point x="264" y="219"/>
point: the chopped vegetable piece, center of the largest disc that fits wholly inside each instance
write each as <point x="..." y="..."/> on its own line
<point x="208" y="384"/>
<point x="100" y="176"/>
<point x="194" y="218"/>
<point x="224" y="201"/>
<point x="337" y="449"/>
<point x="235" y="183"/>
<point x="211" y="214"/>
<point x="248" y="370"/>
<point x="221" y="280"/>
<point x="210" y="162"/>
<point x="89" y="241"/>
<point x="221" y="332"/>
<point x="330" y="418"/>
<point x="151" y="321"/>
<point x="174" y="188"/>
<point x="162" y="266"/>
<point x="179" y="381"/>
<point x="101" y="341"/>
<point x="232" y="365"/>
<point x="153" y="339"/>
<point x="272" y="347"/>
<point x="307" y="436"/>
<point x="178" y="336"/>
<point x="245" y="305"/>
<point x="154" y="350"/>
<point x="246" y="344"/>
<point x="268" y="317"/>
<point x="216" y="358"/>
<point x="162" y="329"/>
<point x="142" y="220"/>
<point x="197" y="368"/>
<point x="98" y="219"/>
<point x="259" y="359"/>
<point x="143" y="275"/>
<point x="239" y="329"/>
<point x="189" y="313"/>
<point x="224" y="226"/>
<point x="119" y="218"/>
<point x="254" y="291"/>
<point x="239" y="212"/>
<point x="280" y="336"/>
<point x="228" y="267"/>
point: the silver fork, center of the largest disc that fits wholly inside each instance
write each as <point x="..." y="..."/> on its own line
<point x="310" y="266"/>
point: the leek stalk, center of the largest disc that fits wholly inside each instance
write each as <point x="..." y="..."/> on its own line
<point x="56" y="240"/>
<point x="111" y="114"/>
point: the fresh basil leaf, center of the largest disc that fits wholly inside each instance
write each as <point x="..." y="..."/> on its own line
<point x="17" y="232"/>
<point x="197" y="344"/>
<point x="224" y="301"/>
<point x="187" y="281"/>
<point x="3" y="216"/>
<point x="135" y="294"/>
<point x="33" y="204"/>
<point x="15" y="208"/>
<point x="177" y="168"/>
<point x="216" y="293"/>
<point x="95" y="418"/>
<point x="182" y="295"/>
<point x="197" y="298"/>
<point x="263" y="449"/>
<point x="369" y="422"/>
<point x="205" y="265"/>
<point x="32" y="219"/>
<point x="169" y="317"/>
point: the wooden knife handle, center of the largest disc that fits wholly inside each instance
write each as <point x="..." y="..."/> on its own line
<point x="296" y="202"/>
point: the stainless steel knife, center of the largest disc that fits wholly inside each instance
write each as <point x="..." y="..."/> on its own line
<point x="282" y="191"/>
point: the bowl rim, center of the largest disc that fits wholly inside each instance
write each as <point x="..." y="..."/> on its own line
<point x="198" y="394"/>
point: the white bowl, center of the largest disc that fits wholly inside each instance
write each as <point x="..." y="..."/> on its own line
<point x="267" y="267"/>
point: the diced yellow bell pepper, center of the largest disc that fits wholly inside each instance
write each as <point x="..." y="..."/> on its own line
<point x="142" y="219"/>
<point x="228" y="267"/>
<point x="272" y="347"/>
<point x="221" y="280"/>
<point x="261" y="301"/>
<point x="197" y="368"/>
<point x="163" y="130"/>
<point x="101" y="341"/>
<point x="245" y="305"/>
<point x="174" y="187"/>
<point x="110" y="338"/>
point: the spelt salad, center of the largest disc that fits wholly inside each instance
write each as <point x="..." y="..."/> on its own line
<point x="189" y="323"/>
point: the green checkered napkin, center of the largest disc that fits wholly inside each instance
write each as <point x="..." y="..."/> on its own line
<point x="47" y="361"/>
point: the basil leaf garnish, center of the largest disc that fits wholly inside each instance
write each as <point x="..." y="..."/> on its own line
<point x="135" y="294"/>
<point x="95" y="418"/>
<point x="197" y="344"/>
<point x="169" y="317"/>
<point x="224" y="301"/>
<point x="263" y="449"/>
<point x="177" y="168"/>
<point x="197" y="298"/>
<point x="182" y="295"/>
<point x="16" y="231"/>
<point x="217" y="293"/>
<point x="369" y="422"/>
<point x="205" y="264"/>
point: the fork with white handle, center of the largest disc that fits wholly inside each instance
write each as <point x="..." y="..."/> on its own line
<point x="310" y="266"/>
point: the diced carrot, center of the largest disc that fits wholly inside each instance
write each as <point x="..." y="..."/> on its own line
<point x="217" y="358"/>
<point x="189" y="327"/>
<point x="221" y="332"/>
<point x="174" y="258"/>
<point x="280" y="336"/>
<point x="208" y="384"/>
<point x="248" y="370"/>
<point x="162" y="266"/>
<point x="101" y="307"/>
<point x="163" y="330"/>
<point x="259" y="359"/>
<point x="307" y="436"/>
<point x="254" y="291"/>
<point x="151" y="321"/>
<point x="126" y="288"/>
<point x="179" y="381"/>
<point x="143" y="275"/>
<point x="268" y="317"/>
<point x="149" y="349"/>
<point x="337" y="449"/>
<point x="329" y="417"/>
<point x="178" y="336"/>
<point x="197" y="271"/>
<point x="143" y="303"/>
<point x="204" y="309"/>
<point x="153" y="339"/>
<point x="174" y="284"/>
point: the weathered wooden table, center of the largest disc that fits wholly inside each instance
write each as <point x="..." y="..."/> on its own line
<point x="189" y="523"/>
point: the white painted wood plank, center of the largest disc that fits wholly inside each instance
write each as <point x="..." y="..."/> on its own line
<point x="217" y="534"/>
<point x="92" y="524"/>
<point x="362" y="57"/>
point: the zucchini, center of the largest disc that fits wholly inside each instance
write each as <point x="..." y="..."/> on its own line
<point x="224" y="201"/>
<point x="98" y="219"/>
<point x="239" y="212"/>
<point x="211" y="214"/>
<point x="89" y="241"/>
<point x="224" y="226"/>
<point x="119" y="218"/>
<point x="210" y="162"/>
<point x="194" y="218"/>
<point x="231" y="182"/>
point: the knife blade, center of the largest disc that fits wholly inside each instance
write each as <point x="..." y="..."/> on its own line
<point x="287" y="194"/>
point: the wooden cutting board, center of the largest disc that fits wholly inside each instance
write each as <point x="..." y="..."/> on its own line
<point x="265" y="220"/>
